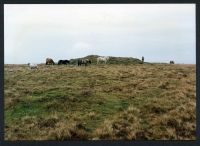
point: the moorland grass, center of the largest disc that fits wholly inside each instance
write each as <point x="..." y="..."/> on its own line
<point x="112" y="101"/>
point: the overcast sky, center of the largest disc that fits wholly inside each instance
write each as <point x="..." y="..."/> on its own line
<point x="159" y="32"/>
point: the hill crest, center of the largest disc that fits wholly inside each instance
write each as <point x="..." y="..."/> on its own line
<point x="112" y="60"/>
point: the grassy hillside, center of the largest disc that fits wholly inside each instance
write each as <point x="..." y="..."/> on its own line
<point x="112" y="60"/>
<point x="134" y="101"/>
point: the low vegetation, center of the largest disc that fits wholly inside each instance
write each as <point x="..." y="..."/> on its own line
<point x="111" y="101"/>
<point x="112" y="60"/>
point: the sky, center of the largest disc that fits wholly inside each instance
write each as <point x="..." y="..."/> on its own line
<point x="159" y="32"/>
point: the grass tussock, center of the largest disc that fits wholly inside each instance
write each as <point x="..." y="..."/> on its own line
<point x="126" y="125"/>
<point x="68" y="131"/>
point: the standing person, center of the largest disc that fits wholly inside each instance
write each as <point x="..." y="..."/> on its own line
<point x="142" y="59"/>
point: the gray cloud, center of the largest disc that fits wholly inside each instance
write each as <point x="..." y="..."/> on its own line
<point x="160" y="32"/>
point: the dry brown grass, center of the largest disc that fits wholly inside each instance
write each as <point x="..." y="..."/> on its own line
<point x="68" y="131"/>
<point x="125" y="125"/>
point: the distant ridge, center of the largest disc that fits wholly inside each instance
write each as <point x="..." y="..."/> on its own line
<point x="112" y="60"/>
